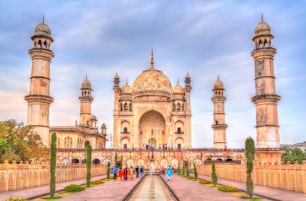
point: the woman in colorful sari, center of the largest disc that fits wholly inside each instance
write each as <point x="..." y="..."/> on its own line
<point x="125" y="173"/>
<point x="131" y="171"/>
<point x="120" y="174"/>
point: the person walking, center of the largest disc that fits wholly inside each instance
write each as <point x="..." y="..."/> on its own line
<point x="137" y="171"/>
<point x="169" y="172"/>
<point x="115" y="171"/>
<point x="131" y="171"/>
<point x="120" y="174"/>
<point x="151" y="171"/>
<point x="141" y="171"/>
<point x="125" y="174"/>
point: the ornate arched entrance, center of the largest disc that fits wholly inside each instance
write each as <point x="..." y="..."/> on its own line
<point x="152" y="129"/>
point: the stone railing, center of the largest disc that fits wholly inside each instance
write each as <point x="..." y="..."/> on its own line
<point x="25" y="175"/>
<point x="282" y="176"/>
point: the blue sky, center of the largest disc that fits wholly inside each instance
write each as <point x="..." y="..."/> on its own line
<point x="204" y="38"/>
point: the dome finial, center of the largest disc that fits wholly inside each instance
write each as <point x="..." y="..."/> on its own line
<point x="152" y="59"/>
<point x="43" y="19"/>
<point x="86" y="76"/>
<point x="127" y="82"/>
<point x="218" y="77"/>
<point x="262" y="17"/>
<point x="177" y="81"/>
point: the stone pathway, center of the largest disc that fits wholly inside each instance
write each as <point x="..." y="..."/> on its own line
<point x="110" y="191"/>
<point x="152" y="188"/>
<point x="189" y="190"/>
<point x="29" y="193"/>
<point x="270" y="193"/>
<point x="186" y="190"/>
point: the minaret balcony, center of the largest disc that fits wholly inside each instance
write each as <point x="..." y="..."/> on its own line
<point x="269" y="97"/>
<point x="38" y="98"/>
<point x="219" y="126"/>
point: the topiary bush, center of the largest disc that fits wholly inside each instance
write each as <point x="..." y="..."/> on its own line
<point x="204" y="181"/>
<point x="97" y="182"/>
<point x="74" y="188"/>
<point x="190" y="177"/>
<point x="16" y="199"/>
<point x="228" y="189"/>
<point x="214" y="177"/>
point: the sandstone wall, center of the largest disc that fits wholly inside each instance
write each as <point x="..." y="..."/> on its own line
<point x="25" y="175"/>
<point x="282" y="176"/>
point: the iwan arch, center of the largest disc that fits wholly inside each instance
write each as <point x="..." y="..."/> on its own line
<point x="152" y="118"/>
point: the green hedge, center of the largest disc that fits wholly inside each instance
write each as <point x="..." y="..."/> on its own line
<point x="205" y="182"/>
<point x="16" y="199"/>
<point x="74" y="188"/>
<point x="228" y="189"/>
<point x="98" y="182"/>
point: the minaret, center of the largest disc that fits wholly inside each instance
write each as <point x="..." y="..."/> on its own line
<point x="116" y="88"/>
<point x="219" y="125"/>
<point x="85" y="103"/>
<point x="39" y="98"/>
<point x="188" y="111"/>
<point x="266" y="99"/>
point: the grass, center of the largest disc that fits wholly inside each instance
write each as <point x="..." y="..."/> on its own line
<point x="246" y="197"/>
<point x="52" y="198"/>
<point x="228" y="188"/>
<point x="74" y="188"/>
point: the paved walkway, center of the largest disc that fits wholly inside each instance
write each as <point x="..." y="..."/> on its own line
<point x="189" y="190"/>
<point x="185" y="189"/>
<point x="30" y="193"/>
<point x="110" y="191"/>
<point x="267" y="192"/>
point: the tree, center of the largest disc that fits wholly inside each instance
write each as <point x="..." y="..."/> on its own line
<point x="116" y="158"/>
<point x="293" y="155"/>
<point x="121" y="160"/>
<point x="18" y="142"/>
<point x="195" y="172"/>
<point x="108" y="170"/>
<point x="214" y="177"/>
<point x="250" y="154"/>
<point x="53" y="165"/>
<point x="187" y="170"/>
<point x="88" y="164"/>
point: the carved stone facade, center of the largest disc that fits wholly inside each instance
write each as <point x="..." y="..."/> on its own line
<point x="152" y="113"/>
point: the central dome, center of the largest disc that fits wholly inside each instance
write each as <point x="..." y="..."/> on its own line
<point x="152" y="80"/>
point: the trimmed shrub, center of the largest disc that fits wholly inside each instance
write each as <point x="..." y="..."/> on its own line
<point x="195" y="171"/>
<point x="97" y="182"/>
<point x="88" y="164"/>
<point x="74" y="188"/>
<point x="190" y="177"/>
<point x="228" y="189"/>
<point x="205" y="182"/>
<point x="214" y="177"/>
<point x="53" y="165"/>
<point x="16" y="199"/>
<point x="108" y="170"/>
<point x="250" y="154"/>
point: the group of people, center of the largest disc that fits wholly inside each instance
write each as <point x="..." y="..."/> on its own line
<point x="129" y="173"/>
<point x="125" y="173"/>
